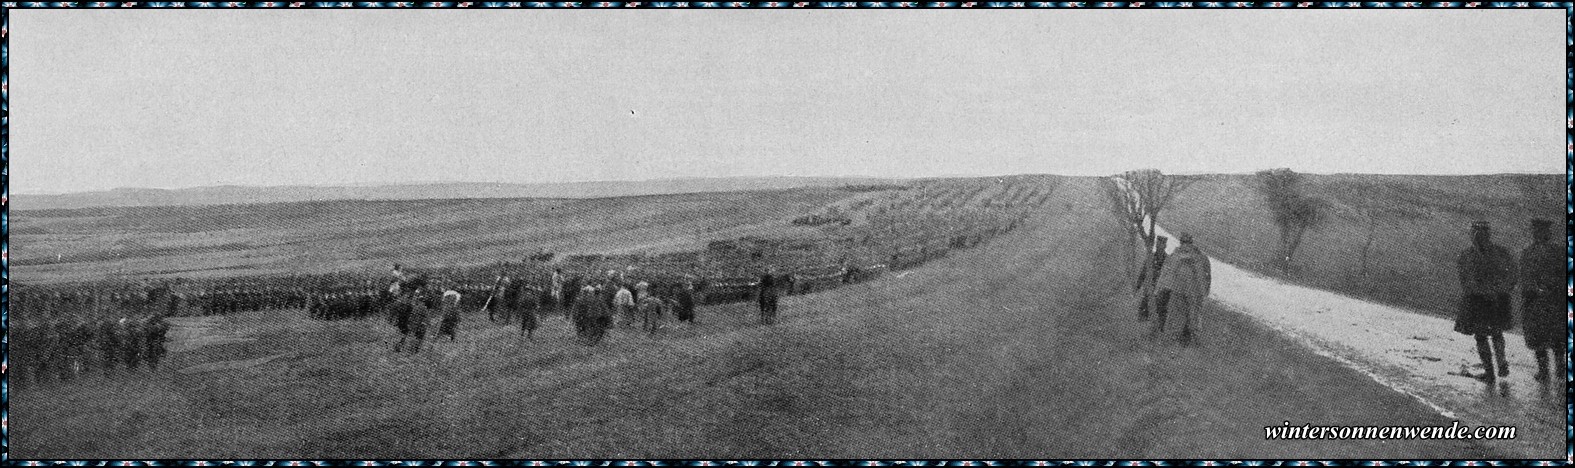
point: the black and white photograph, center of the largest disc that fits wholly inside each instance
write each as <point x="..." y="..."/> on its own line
<point x="794" y="233"/>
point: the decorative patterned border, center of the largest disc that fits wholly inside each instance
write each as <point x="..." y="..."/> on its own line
<point x="5" y="228"/>
<point x="735" y="4"/>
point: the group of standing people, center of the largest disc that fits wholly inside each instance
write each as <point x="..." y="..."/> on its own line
<point x="592" y="308"/>
<point x="1489" y="275"/>
<point x="1177" y="282"/>
<point x="599" y="307"/>
<point x="414" y="300"/>
<point x="64" y="348"/>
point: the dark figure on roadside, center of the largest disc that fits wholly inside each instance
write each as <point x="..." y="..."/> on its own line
<point x="1542" y="312"/>
<point x="1149" y="277"/>
<point x="767" y="297"/>
<point x="1487" y="274"/>
<point x="1184" y="287"/>
<point x="157" y="330"/>
<point x="685" y="303"/>
<point x="411" y="314"/>
<point x="450" y="323"/>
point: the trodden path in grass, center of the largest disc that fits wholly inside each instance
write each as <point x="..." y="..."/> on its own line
<point x="1024" y="347"/>
<point x="1416" y="354"/>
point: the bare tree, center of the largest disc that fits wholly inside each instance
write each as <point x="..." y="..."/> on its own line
<point x="1138" y="197"/>
<point x="1128" y="212"/>
<point x="1368" y="201"/>
<point x="1293" y="212"/>
<point x="1154" y="191"/>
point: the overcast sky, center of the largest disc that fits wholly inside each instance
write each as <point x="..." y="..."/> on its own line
<point x="167" y="99"/>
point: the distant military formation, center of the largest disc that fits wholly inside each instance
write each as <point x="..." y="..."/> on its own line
<point x="68" y="332"/>
<point x="62" y="332"/>
<point x="64" y="348"/>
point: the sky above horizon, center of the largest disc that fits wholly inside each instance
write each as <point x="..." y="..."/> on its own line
<point x="186" y="98"/>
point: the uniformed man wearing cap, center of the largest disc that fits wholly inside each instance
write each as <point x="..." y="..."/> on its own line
<point x="1487" y="274"/>
<point x="1542" y="276"/>
<point x="1183" y="286"/>
<point x="1149" y="277"/>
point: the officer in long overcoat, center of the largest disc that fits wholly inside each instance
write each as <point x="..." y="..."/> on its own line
<point x="1487" y="275"/>
<point x="1542" y="312"/>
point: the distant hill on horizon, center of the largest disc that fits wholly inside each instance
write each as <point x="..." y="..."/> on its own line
<point x="233" y="195"/>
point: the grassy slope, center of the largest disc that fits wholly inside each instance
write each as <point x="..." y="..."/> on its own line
<point x="235" y="240"/>
<point x="1423" y="228"/>
<point x="1022" y="348"/>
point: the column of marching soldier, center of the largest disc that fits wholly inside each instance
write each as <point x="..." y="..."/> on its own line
<point x="66" y="347"/>
<point x="68" y="333"/>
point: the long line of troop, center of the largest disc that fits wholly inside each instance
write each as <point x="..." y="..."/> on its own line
<point x="63" y="348"/>
<point x="593" y="307"/>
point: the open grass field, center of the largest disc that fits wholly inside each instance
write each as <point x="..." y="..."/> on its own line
<point x="212" y="241"/>
<point x="1418" y="227"/>
<point x="1024" y="347"/>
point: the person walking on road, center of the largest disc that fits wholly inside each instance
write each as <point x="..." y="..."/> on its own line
<point x="1184" y="287"/>
<point x="1149" y="277"/>
<point x="1487" y="274"/>
<point x="1542" y="312"/>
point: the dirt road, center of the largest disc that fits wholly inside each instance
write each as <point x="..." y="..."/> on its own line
<point x="1025" y="347"/>
<point x="1413" y="353"/>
